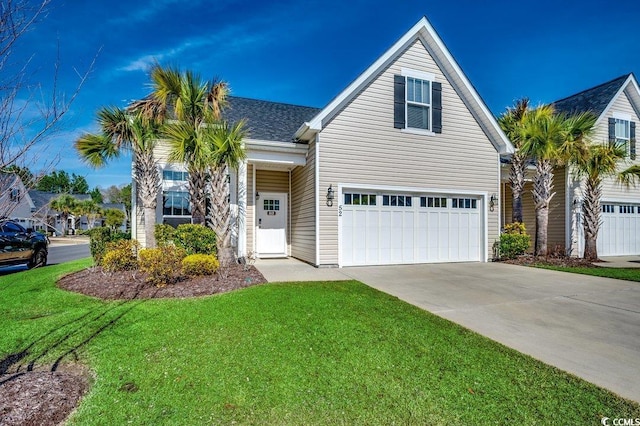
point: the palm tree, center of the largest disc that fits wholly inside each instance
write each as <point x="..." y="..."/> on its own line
<point x="227" y="153"/>
<point x="601" y="161"/>
<point x="65" y="205"/>
<point x="121" y="131"/>
<point x="192" y="109"/>
<point x="512" y="122"/>
<point x="552" y="139"/>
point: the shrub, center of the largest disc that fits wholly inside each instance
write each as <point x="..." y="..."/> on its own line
<point x="514" y="241"/>
<point x="162" y="264"/>
<point x="195" y="239"/>
<point x="200" y="264"/>
<point x="164" y="234"/>
<point x="121" y="255"/>
<point x="98" y="240"/>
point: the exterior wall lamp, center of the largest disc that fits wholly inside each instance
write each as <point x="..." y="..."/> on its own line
<point x="257" y="195"/>
<point x="330" y="196"/>
<point x="493" y="202"/>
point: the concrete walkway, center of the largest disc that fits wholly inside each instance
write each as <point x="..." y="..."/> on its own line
<point x="585" y="325"/>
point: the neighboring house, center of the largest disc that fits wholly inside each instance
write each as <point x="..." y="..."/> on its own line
<point x="617" y="105"/>
<point x="14" y="198"/>
<point x="403" y="166"/>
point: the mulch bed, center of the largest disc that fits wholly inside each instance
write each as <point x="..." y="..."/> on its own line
<point x="132" y="285"/>
<point x="49" y="397"/>
<point x="565" y="261"/>
<point x="41" y="397"/>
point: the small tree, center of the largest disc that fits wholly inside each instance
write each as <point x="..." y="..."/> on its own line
<point x="65" y="205"/>
<point x="114" y="218"/>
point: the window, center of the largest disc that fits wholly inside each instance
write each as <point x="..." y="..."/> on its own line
<point x="396" y="200"/>
<point x="14" y="195"/>
<point x="271" y="205"/>
<point x="607" y="208"/>
<point x="464" y="203"/>
<point x="623" y="134"/>
<point x="360" y="199"/>
<point x="418" y="103"/>
<point x="439" y="202"/>
<point x="175" y="175"/>
<point x="175" y="203"/>
<point x="627" y="209"/>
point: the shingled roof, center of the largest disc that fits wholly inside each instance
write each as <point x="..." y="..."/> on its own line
<point x="269" y="121"/>
<point x="595" y="99"/>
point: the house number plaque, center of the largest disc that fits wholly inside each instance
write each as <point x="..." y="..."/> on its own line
<point x="271" y="213"/>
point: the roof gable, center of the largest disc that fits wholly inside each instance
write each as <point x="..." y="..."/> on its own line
<point x="424" y="32"/>
<point x="600" y="98"/>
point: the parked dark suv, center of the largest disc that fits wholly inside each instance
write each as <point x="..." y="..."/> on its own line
<point x="19" y="245"/>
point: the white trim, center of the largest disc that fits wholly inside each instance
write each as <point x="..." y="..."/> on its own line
<point x="613" y="99"/>
<point x="408" y="72"/>
<point x="242" y="208"/>
<point x="317" y="198"/>
<point x="424" y="31"/>
<point x="289" y="217"/>
<point x="255" y="208"/>
<point x="413" y="189"/>
<point x="568" y="212"/>
<point x="484" y="196"/>
<point x="416" y="131"/>
<point x="621" y="115"/>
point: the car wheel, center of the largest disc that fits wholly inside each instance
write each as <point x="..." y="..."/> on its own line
<point x="38" y="259"/>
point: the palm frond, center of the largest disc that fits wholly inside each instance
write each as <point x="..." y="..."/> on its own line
<point x="629" y="176"/>
<point x="96" y="149"/>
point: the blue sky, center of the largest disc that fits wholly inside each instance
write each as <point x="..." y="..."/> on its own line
<point x="306" y="52"/>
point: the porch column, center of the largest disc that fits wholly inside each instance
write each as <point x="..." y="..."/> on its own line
<point x="242" y="209"/>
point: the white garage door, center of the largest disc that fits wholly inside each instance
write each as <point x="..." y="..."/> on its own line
<point x="620" y="230"/>
<point x="379" y="229"/>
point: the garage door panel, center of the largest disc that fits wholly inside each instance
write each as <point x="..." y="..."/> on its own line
<point x="413" y="231"/>
<point x="619" y="232"/>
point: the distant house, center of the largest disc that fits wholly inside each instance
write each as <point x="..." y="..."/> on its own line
<point x="403" y="166"/>
<point x="616" y="104"/>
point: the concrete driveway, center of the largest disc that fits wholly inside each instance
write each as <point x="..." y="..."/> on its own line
<point x="585" y="325"/>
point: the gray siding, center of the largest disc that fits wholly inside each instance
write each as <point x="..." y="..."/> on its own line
<point x="361" y="146"/>
<point x="303" y="210"/>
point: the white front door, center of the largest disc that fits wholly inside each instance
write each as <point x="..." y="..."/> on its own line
<point x="271" y="224"/>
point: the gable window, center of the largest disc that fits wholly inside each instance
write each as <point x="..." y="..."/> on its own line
<point x="14" y="195"/>
<point x="622" y="131"/>
<point x="417" y="102"/>
<point x="175" y="175"/>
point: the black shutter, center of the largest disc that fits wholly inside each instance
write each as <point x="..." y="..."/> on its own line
<point x="436" y="94"/>
<point x="398" y="101"/>
<point x="632" y="139"/>
<point x="612" y="129"/>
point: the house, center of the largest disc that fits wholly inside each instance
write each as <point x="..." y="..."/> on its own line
<point x="402" y="166"/>
<point x="616" y="105"/>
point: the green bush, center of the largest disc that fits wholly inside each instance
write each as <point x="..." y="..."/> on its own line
<point x="514" y="241"/>
<point x="99" y="238"/>
<point x="121" y="255"/>
<point x="164" y="234"/>
<point x="162" y="264"/>
<point x="200" y="264"/>
<point x="195" y="239"/>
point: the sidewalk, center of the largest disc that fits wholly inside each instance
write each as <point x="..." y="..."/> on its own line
<point x="68" y="241"/>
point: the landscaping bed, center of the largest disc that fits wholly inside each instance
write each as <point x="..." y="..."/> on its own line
<point x="562" y="261"/>
<point x="130" y="285"/>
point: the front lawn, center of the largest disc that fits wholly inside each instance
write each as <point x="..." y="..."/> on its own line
<point x="295" y="353"/>
<point x="629" y="274"/>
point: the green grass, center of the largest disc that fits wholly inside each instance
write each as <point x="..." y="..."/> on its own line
<point x="629" y="274"/>
<point x="296" y="353"/>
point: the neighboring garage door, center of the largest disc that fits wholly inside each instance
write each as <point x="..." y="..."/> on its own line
<point x="392" y="228"/>
<point x="620" y="230"/>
